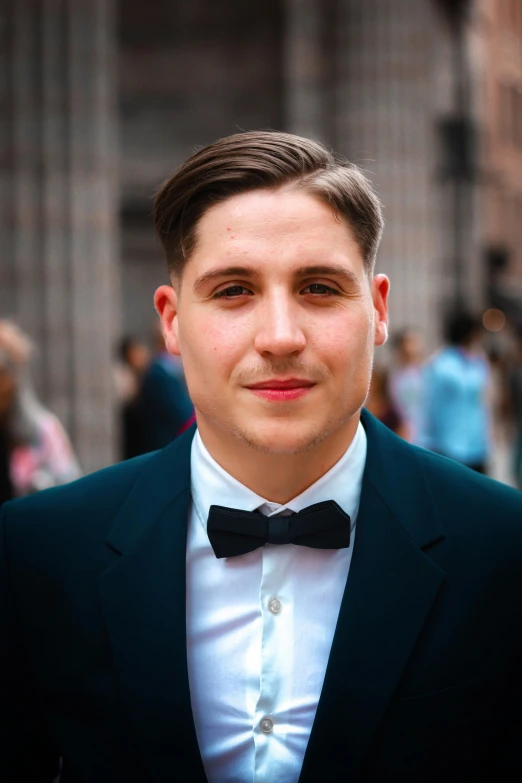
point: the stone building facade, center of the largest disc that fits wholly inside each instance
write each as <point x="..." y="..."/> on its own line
<point x="59" y="215"/>
<point x="101" y="101"/>
<point x="500" y="24"/>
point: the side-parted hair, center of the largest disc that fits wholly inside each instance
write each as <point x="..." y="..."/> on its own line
<point x="259" y="160"/>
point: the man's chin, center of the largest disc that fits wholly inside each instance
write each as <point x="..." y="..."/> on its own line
<point x="276" y="439"/>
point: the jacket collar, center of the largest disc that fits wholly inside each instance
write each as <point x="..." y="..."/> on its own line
<point x="164" y="480"/>
<point x="394" y="472"/>
<point x="390" y="462"/>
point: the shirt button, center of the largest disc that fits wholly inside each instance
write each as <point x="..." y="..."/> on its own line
<point x="266" y="725"/>
<point x="274" y="605"/>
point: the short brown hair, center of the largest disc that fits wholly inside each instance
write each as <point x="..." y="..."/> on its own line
<point x="263" y="160"/>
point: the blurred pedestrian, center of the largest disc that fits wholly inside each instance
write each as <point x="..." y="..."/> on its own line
<point x="456" y="411"/>
<point x="163" y="404"/>
<point x="36" y="452"/>
<point x="515" y="405"/>
<point x="133" y="360"/>
<point x="380" y="403"/>
<point x="406" y="383"/>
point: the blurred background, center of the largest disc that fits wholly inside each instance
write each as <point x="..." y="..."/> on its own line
<point x="101" y="100"/>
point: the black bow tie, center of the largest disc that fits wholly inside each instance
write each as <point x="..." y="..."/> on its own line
<point x="234" y="532"/>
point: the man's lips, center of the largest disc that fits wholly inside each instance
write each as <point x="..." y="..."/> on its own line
<point x="276" y="390"/>
<point x="274" y="383"/>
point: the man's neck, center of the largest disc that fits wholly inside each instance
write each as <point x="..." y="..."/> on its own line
<point x="276" y="477"/>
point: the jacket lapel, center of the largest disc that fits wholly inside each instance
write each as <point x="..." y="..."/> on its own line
<point x="390" y="590"/>
<point x="143" y="603"/>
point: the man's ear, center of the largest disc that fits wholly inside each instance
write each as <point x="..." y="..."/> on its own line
<point x="380" y="291"/>
<point x="166" y="304"/>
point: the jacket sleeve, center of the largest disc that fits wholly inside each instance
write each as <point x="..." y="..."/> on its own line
<point x="26" y="753"/>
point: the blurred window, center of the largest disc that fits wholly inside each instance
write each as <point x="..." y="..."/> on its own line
<point x="513" y="8"/>
<point x="517" y="243"/>
<point x="510" y="16"/>
<point x="503" y="12"/>
<point x="504" y="113"/>
<point x="517" y="117"/>
<point x="510" y="115"/>
<point x="505" y="212"/>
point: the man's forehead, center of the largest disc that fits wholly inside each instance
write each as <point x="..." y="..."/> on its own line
<point x="250" y="209"/>
<point x="315" y="231"/>
<point x="272" y="232"/>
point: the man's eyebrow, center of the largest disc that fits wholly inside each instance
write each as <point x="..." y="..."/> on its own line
<point x="303" y="271"/>
<point x="226" y="271"/>
<point x="328" y="269"/>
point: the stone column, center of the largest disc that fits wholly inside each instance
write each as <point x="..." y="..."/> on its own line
<point x="59" y="205"/>
<point x="306" y="68"/>
<point x="386" y="54"/>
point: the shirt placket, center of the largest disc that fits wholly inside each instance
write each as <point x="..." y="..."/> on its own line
<point x="266" y="729"/>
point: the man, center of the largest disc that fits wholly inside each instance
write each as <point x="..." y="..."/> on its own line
<point x="163" y="408"/>
<point x="456" y="408"/>
<point x="289" y="592"/>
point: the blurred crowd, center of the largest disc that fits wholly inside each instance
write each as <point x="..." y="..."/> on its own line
<point x="463" y="401"/>
<point x="35" y="451"/>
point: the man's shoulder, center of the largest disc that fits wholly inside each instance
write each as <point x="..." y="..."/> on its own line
<point x="441" y="361"/>
<point x="95" y="497"/>
<point x="74" y="529"/>
<point x="413" y="480"/>
<point x="463" y="494"/>
<point x="98" y="497"/>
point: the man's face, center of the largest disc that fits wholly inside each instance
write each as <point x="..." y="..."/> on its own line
<point x="275" y="321"/>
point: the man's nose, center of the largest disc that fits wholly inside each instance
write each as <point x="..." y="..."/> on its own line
<point x="279" y="331"/>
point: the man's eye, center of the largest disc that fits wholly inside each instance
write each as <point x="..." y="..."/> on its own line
<point x="319" y="288"/>
<point x="231" y="292"/>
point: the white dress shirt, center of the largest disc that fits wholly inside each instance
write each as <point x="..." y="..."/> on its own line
<point x="260" y="626"/>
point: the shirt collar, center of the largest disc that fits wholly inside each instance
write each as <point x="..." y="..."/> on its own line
<point x="212" y="485"/>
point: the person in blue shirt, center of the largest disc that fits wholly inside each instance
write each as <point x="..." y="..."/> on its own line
<point x="456" y="414"/>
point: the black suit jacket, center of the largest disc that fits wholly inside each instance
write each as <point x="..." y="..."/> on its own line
<point x="423" y="679"/>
